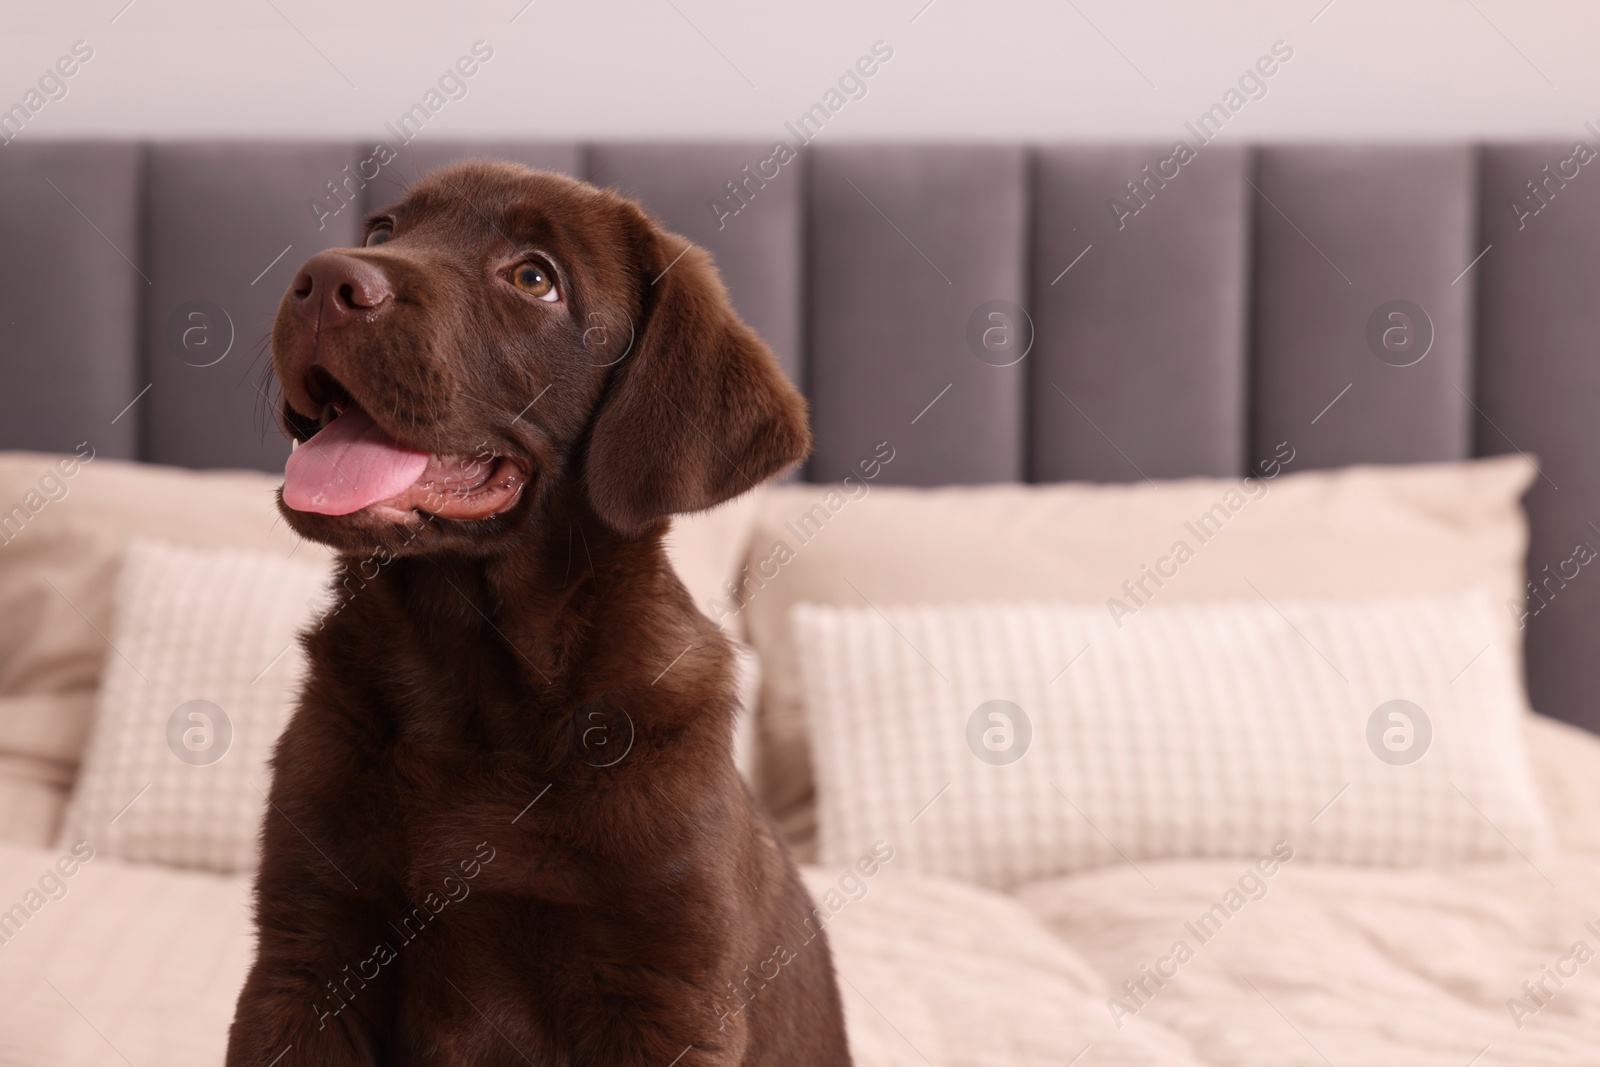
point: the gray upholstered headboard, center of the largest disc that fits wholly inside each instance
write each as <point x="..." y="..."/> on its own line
<point x="1187" y="313"/>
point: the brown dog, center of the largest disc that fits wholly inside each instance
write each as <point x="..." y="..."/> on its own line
<point x="506" y="828"/>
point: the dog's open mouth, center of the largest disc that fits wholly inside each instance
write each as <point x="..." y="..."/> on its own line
<point x="352" y="463"/>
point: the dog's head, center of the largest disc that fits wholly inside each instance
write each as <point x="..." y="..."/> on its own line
<point x="503" y="334"/>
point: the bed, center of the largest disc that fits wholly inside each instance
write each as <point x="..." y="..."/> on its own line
<point x="1146" y="366"/>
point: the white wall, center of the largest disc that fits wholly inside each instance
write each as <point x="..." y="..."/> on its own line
<point x="1412" y="69"/>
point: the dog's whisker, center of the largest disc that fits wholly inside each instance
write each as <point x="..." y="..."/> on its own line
<point x="592" y="572"/>
<point x="262" y="405"/>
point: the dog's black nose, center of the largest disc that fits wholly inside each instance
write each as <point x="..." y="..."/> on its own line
<point x="340" y="288"/>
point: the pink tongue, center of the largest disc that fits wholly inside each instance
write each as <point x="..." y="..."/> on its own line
<point x="349" y="464"/>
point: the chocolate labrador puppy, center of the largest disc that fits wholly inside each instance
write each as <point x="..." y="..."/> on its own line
<point x="505" y="825"/>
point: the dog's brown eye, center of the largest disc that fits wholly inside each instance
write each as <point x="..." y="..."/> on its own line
<point x="535" y="280"/>
<point x="378" y="236"/>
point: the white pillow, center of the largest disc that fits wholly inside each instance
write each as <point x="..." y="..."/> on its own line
<point x="1190" y="730"/>
<point x="165" y="780"/>
<point x="218" y="626"/>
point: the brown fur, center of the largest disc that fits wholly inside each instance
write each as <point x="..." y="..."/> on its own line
<point x="457" y="868"/>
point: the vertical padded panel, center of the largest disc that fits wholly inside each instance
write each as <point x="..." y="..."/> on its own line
<point x="1340" y="232"/>
<point x="1138" y="363"/>
<point x="229" y="224"/>
<point x="906" y="244"/>
<point x="757" y="248"/>
<point x="69" y="299"/>
<point x="411" y="161"/>
<point x="1539" y="391"/>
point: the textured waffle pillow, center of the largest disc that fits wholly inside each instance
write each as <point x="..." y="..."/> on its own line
<point x="203" y="669"/>
<point x="200" y="678"/>
<point x="1001" y="743"/>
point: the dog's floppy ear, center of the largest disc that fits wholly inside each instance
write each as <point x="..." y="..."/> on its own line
<point x="699" y="411"/>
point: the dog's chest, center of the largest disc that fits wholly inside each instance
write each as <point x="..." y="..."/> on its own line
<point x="547" y="794"/>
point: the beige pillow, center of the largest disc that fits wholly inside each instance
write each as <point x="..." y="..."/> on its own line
<point x="1354" y="533"/>
<point x="48" y="639"/>
<point x="707" y="549"/>
<point x="64" y="521"/>
<point x="41" y="737"/>
<point x="59" y="559"/>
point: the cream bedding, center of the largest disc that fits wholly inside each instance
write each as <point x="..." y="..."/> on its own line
<point x="1349" y="965"/>
<point x="1355" y="965"/>
<point x="1342" y="965"/>
<point x="140" y="965"/>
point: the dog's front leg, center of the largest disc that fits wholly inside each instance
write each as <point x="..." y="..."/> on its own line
<point x="321" y="992"/>
<point x="285" y="1016"/>
<point x="318" y="988"/>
